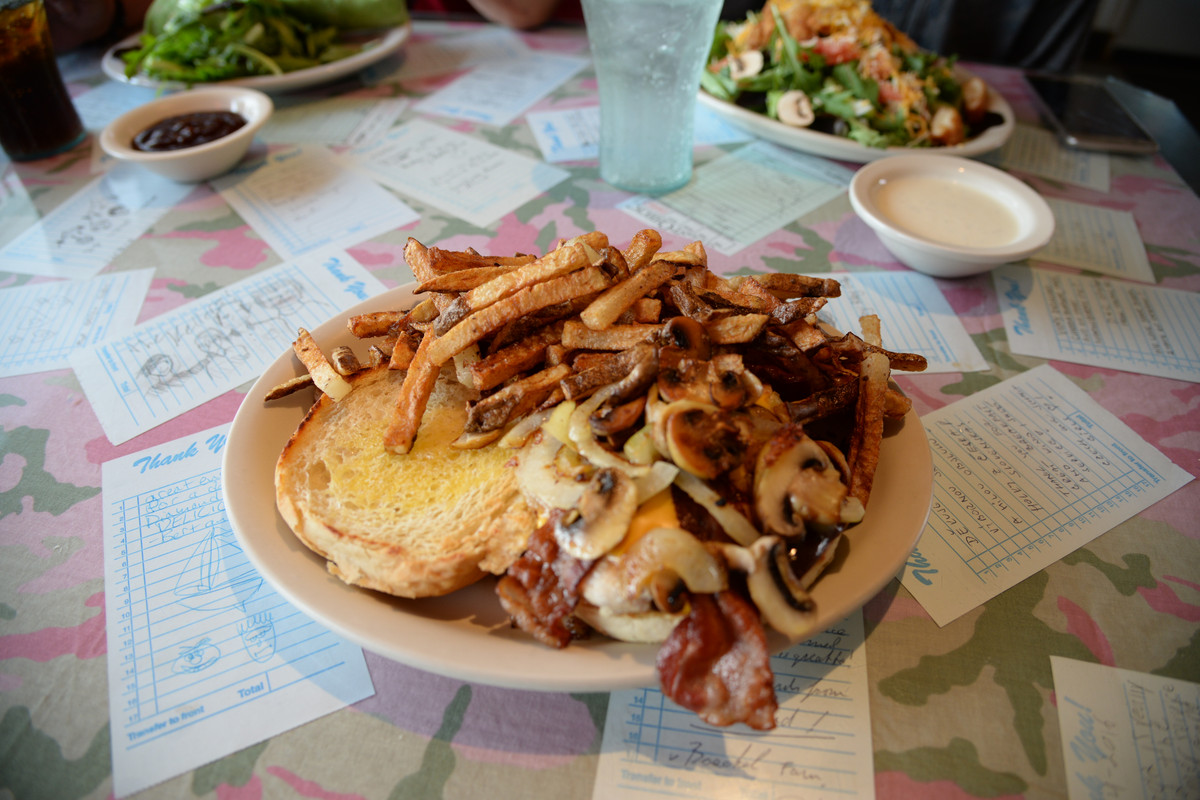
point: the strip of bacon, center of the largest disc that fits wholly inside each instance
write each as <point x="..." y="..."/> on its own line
<point x="716" y="663"/>
<point x="541" y="589"/>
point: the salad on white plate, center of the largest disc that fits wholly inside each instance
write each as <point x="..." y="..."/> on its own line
<point x="836" y="67"/>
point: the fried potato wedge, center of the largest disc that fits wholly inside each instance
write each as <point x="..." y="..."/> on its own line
<point x="488" y="320"/>
<point x="374" y="323"/>
<point x="324" y="375"/>
<point x="863" y="455"/>
<point x="462" y="280"/>
<point x="290" y="386"/>
<point x="738" y="329"/>
<point x="500" y="365"/>
<point x="579" y="336"/>
<point x="615" y="300"/>
<point x="785" y="285"/>
<point x="411" y="401"/>
<point x="641" y="249"/>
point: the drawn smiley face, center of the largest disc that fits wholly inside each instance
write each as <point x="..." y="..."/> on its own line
<point x="196" y="657"/>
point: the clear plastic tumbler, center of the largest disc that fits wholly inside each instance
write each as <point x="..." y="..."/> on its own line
<point x="648" y="55"/>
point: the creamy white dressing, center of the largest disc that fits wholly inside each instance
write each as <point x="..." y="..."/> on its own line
<point x="945" y="211"/>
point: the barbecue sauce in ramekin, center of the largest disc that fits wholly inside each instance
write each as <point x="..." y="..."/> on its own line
<point x="188" y="130"/>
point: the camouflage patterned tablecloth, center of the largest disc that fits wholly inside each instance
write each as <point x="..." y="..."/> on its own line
<point x="961" y="711"/>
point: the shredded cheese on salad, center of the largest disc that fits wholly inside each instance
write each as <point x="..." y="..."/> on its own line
<point x="851" y="72"/>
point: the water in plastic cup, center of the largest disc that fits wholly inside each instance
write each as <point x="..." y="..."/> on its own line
<point x="648" y="55"/>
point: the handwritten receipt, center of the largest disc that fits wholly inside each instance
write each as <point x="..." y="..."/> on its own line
<point x="174" y="362"/>
<point x="41" y="324"/>
<point x="1116" y="324"/>
<point x="820" y="748"/>
<point x="303" y="200"/>
<point x="86" y="232"/>
<point x="204" y="658"/>
<point x="1127" y="734"/>
<point x="1024" y="473"/>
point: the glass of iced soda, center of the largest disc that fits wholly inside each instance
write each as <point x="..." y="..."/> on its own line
<point x="37" y="117"/>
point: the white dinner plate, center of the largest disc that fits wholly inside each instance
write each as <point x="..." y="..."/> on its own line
<point x="839" y="147"/>
<point x="467" y="634"/>
<point x="375" y="49"/>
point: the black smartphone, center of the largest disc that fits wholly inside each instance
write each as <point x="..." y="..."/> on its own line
<point x="1087" y="116"/>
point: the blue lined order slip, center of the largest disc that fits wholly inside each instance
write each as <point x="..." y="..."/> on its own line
<point x="204" y="658"/>
<point x="1148" y="330"/>
<point x="177" y="361"/>
<point x="820" y="747"/>
<point x="1024" y="472"/>
<point x="914" y="314"/>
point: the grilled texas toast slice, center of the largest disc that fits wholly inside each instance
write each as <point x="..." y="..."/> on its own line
<point x="415" y="525"/>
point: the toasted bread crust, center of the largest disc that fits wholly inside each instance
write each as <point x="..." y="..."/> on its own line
<point x="417" y="525"/>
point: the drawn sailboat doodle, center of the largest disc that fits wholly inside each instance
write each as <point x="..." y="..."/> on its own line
<point x="217" y="575"/>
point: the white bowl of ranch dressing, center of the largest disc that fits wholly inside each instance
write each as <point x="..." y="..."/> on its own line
<point x="948" y="216"/>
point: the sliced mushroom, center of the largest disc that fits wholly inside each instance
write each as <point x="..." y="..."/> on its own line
<point x="606" y="508"/>
<point x="526" y="427"/>
<point x="745" y="65"/>
<point x="688" y="335"/>
<point x="727" y="389"/>
<point x="823" y="402"/>
<point x="632" y="580"/>
<point x="614" y="264"/>
<point x="473" y="440"/>
<point x="668" y="593"/>
<point x="658" y="413"/>
<point x="608" y="420"/>
<point x="704" y="441"/>
<point x="782" y="602"/>
<point x="681" y="377"/>
<point x="796" y="485"/>
<point x="852" y="508"/>
<point x="836" y="458"/>
<point x="730" y="384"/>
<point x="795" y="109"/>
<point x="639" y="378"/>
<point x="803" y="560"/>
<point x="632" y="370"/>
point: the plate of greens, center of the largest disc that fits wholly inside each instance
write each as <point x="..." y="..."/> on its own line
<point x="270" y="45"/>
<point x="833" y="145"/>
<point x="841" y="82"/>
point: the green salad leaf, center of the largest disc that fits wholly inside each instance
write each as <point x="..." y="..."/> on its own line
<point x="201" y="41"/>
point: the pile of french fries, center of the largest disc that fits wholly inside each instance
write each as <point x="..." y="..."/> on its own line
<point x="526" y="333"/>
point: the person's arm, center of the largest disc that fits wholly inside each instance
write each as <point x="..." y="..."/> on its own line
<point x="516" y="13"/>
